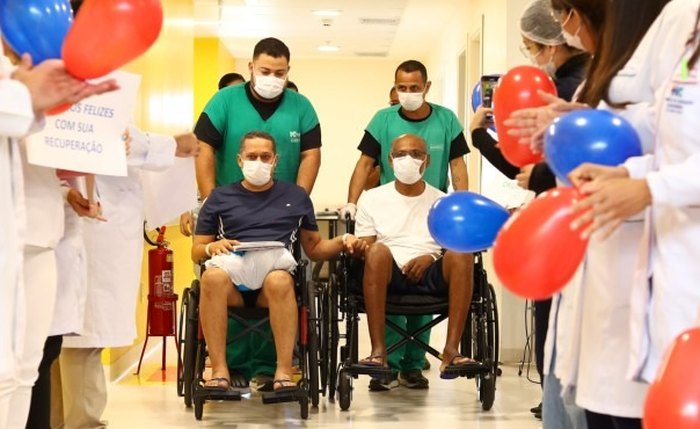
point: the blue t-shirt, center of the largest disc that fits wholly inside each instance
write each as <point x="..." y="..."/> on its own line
<point x="235" y="213"/>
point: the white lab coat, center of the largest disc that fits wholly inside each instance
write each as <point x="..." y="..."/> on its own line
<point x="671" y="241"/>
<point x="602" y="385"/>
<point x="16" y="119"/>
<point x="114" y="248"/>
<point x="69" y="310"/>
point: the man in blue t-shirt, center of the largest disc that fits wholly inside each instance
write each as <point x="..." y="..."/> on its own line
<point x="257" y="208"/>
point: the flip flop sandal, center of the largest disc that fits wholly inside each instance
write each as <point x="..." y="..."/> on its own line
<point x="286" y="385"/>
<point x="217" y="387"/>
<point x="374" y="361"/>
<point x="449" y="372"/>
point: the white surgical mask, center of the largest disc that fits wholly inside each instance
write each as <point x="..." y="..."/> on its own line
<point x="550" y="68"/>
<point x="411" y="101"/>
<point x="573" y="40"/>
<point x="407" y="169"/>
<point x="269" y="86"/>
<point x="257" y="172"/>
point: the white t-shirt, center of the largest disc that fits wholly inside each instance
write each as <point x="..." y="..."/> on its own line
<point x="398" y="221"/>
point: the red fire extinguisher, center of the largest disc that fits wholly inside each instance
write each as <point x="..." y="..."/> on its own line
<point x="161" y="319"/>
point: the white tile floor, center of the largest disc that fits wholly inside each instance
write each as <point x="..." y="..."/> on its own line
<point x="141" y="403"/>
<point x="453" y="402"/>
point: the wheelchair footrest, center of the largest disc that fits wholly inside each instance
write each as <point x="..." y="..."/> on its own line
<point x="201" y="392"/>
<point x="282" y="396"/>
<point x="470" y="370"/>
<point x="373" y="371"/>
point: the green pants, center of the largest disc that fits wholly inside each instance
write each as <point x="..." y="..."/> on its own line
<point x="252" y="354"/>
<point x="410" y="356"/>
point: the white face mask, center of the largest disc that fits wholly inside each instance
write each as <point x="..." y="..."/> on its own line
<point x="549" y="67"/>
<point x="407" y="169"/>
<point x="269" y="86"/>
<point x="573" y="40"/>
<point x="256" y="172"/>
<point x="411" y="101"/>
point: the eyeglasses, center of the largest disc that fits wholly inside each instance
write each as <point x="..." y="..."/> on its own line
<point x="264" y="157"/>
<point x="415" y="154"/>
<point x="527" y="53"/>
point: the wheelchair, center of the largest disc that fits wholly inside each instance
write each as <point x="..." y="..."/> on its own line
<point x="194" y="351"/>
<point x="480" y="338"/>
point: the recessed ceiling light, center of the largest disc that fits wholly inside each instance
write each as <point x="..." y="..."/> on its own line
<point x="328" y="48"/>
<point x="326" y="12"/>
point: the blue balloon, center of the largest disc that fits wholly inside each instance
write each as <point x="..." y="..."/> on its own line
<point x="590" y="135"/>
<point x="466" y="222"/>
<point x="36" y="27"/>
<point x="476" y="96"/>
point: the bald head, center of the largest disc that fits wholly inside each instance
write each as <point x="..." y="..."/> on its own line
<point x="408" y="143"/>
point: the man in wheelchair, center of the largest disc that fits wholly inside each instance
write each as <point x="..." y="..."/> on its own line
<point x="256" y="209"/>
<point x="402" y="257"/>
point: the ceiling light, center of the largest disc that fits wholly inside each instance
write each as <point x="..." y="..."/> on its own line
<point x="326" y="12"/>
<point x="328" y="48"/>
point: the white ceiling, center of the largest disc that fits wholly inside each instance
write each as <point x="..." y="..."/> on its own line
<point x="397" y="28"/>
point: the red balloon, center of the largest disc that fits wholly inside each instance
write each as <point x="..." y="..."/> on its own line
<point x="517" y="90"/>
<point x="673" y="400"/>
<point x="59" y="109"/>
<point x="536" y="253"/>
<point x="108" y="34"/>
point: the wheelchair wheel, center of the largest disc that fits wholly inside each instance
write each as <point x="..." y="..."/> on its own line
<point x="198" y="408"/>
<point x="487" y="344"/>
<point x="344" y="390"/>
<point x="312" y="347"/>
<point x="189" y="354"/>
<point x="304" y="406"/>
<point x="323" y="338"/>
<point x="181" y="343"/>
<point x="333" y="336"/>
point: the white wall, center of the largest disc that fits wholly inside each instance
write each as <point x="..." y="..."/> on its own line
<point x="345" y="94"/>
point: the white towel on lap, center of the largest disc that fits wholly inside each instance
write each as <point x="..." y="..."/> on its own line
<point x="248" y="270"/>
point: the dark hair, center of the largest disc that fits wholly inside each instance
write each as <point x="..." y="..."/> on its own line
<point x="293" y="86"/>
<point x="693" y="36"/>
<point x="229" y="78"/>
<point x="626" y="23"/>
<point x="593" y="13"/>
<point x="392" y="90"/>
<point x="592" y="10"/>
<point x="411" y="66"/>
<point x="257" y="135"/>
<point x="272" y="47"/>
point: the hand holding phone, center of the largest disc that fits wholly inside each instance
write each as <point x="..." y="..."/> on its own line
<point x="488" y="83"/>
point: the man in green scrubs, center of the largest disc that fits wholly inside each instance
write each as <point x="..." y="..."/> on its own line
<point x="443" y="133"/>
<point x="262" y="104"/>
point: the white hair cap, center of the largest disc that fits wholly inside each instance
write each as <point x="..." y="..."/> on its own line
<point x="538" y="25"/>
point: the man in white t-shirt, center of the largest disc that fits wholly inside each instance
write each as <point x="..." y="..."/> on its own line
<point x="403" y="258"/>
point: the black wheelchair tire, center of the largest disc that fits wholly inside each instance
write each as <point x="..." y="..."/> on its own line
<point x="312" y="348"/>
<point x="344" y="390"/>
<point x="181" y="343"/>
<point x="198" y="408"/>
<point x="189" y="355"/>
<point x="304" y="407"/>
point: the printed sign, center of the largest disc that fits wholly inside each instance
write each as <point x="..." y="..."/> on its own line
<point x="88" y="137"/>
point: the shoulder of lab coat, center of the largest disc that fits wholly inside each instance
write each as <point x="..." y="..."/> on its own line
<point x="640" y="78"/>
<point x="150" y="151"/>
<point x="676" y="185"/>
